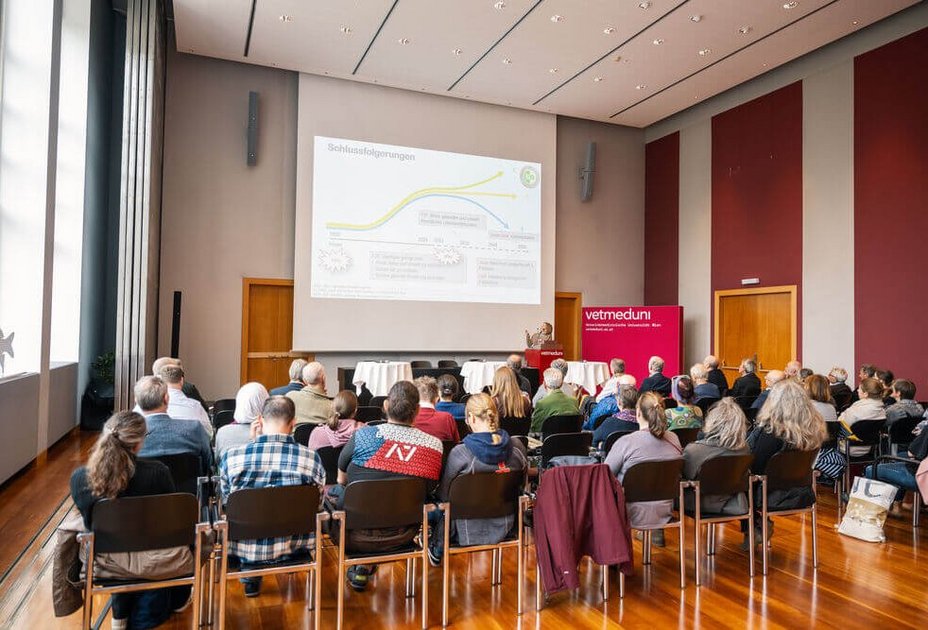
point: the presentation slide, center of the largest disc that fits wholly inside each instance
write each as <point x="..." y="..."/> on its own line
<point x="402" y="223"/>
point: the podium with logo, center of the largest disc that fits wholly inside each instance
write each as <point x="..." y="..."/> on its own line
<point x="542" y="357"/>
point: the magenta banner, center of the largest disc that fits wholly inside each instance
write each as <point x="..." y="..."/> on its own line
<point x="634" y="333"/>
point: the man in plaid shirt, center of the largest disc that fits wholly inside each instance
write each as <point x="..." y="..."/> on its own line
<point x="273" y="459"/>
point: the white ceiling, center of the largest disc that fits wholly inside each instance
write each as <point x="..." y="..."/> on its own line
<point x="598" y="60"/>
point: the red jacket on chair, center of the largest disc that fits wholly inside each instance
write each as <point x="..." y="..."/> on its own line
<point x="579" y="511"/>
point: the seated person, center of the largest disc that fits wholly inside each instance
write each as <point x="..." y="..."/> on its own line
<point x="313" y="404"/>
<point x="792" y="370"/>
<point x="656" y="381"/>
<point x="430" y="420"/>
<point x="619" y="377"/>
<point x="114" y="470"/>
<point x="296" y="374"/>
<point x="724" y="433"/>
<point x="901" y="474"/>
<point x="886" y="378"/>
<point x="904" y="405"/>
<point x="510" y="401"/>
<point x="341" y="426"/>
<point x="702" y="388"/>
<point x="273" y="459"/>
<point x="487" y="448"/>
<point x="514" y="363"/>
<point x="567" y="388"/>
<point x="819" y="392"/>
<point x="716" y="376"/>
<point x="805" y="373"/>
<point x="686" y="415"/>
<point x="387" y="451"/>
<point x="624" y="419"/>
<point x="773" y="377"/>
<point x="869" y="406"/>
<point x="747" y="384"/>
<point x="190" y="390"/>
<point x="652" y="442"/>
<point x="840" y="392"/>
<point x="248" y="404"/>
<point x="180" y="407"/>
<point x="555" y="402"/>
<point x="167" y="436"/>
<point x="447" y="391"/>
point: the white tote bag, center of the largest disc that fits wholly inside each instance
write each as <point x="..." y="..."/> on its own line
<point x="866" y="511"/>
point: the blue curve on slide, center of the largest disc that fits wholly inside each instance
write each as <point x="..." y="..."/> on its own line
<point x="467" y="199"/>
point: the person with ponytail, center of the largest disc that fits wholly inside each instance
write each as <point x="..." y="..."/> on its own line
<point x="652" y="442"/>
<point x="113" y="471"/>
<point x="487" y="448"/>
<point x="341" y="426"/>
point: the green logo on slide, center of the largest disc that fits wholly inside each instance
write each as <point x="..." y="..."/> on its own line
<point x="529" y="176"/>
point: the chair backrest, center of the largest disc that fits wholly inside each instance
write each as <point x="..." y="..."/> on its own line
<point x="328" y="456"/>
<point x="705" y="404"/>
<point x="669" y="403"/>
<point x="835" y="430"/>
<point x="561" y="424"/>
<point x="612" y="438"/>
<point x="446" y="446"/>
<point x="272" y="512"/>
<point x="687" y="435"/>
<point x="565" y="444"/>
<point x="653" y="481"/>
<point x="486" y="494"/>
<point x="366" y="506"/>
<point x="868" y="431"/>
<point x="464" y="399"/>
<point x="224" y="404"/>
<point x="900" y="431"/>
<point x="843" y="400"/>
<point x="377" y="401"/>
<point x="751" y="415"/>
<point x="185" y="468"/>
<point x="725" y="474"/>
<point x="141" y="523"/>
<point x="745" y="402"/>
<point x="222" y="418"/>
<point x="463" y="429"/>
<point x="301" y="432"/>
<point x="515" y="426"/>
<point x="367" y="414"/>
<point x="790" y="469"/>
<point x="421" y="364"/>
<point x="447" y="363"/>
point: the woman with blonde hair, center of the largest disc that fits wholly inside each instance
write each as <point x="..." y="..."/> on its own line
<point x="511" y="401"/>
<point x="724" y="433"/>
<point x="341" y="424"/>
<point x="114" y="471"/>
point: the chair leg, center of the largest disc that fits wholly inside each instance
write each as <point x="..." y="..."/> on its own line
<point x="814" y="538"/>
<point x="445" y="572"/>
<point x="88" y="588"/>
<point x="538" y="601"/>
<point x="697" y="542"/>
<point x="494" y="554"/>
<point x="605" y="582"/>
<point x="646" y="546"/>
<point x="310" y="590"/>
<point x="197" y="579"/>
<point x="763" y="524"/>
<point x="520" y="572"/>
<point x="410" y="577"/>
<point x="750" y="524"/>
<point x="499" y="567"/>
<point x="425" y="567"/>
<point x="916" y="508"/>
<point x="621" y="584"/>
<point x="340" y="578"/>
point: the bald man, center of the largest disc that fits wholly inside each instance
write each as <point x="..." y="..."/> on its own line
<point x="514" y="363"/>
<point x="313" y="404"/>
<point x="715" y="375"/>
<point x="773" y="377"/>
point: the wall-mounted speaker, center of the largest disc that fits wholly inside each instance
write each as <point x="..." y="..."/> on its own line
<point x="252" y="155"/>
<point x="175" y="326"/>
<point x="587" y="171"/>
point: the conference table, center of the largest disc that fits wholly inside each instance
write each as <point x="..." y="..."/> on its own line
<point x="587" y="374"/>
<point x="380" y="376"/>
<point x="479" y="374"/>
<point x="347" y="379"/>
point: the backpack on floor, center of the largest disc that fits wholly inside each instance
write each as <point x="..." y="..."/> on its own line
<point x="866" y="511"/>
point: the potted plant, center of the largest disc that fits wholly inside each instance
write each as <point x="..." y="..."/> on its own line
<point x="99" y="397"/>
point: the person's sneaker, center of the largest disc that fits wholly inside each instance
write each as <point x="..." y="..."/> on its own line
<point x="357" y="577"/>
<point x="252" y="588"/>
<point x="185" y="605"/>
<point x="119" y="624"/>
<point x="434" y="559"/>
<point x="657" y="538"/>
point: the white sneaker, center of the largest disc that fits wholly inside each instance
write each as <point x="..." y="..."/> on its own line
<point x="119" y="624"/>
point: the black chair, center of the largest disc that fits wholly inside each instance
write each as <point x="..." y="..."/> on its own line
<point x="185" y="471"/>
<point x="377" y="401"/>
<point x="515" y="426"/>
<point x="140" y="524"/>
<point x="464" y="399"/>
<point x="727" y="476"/>
<point x="273" y="512"/>
<point x="612" y="438"/>
<point x="912" y="464"/>
<point x="899" y="434"/>
<point x="750" y="415"/>
<point x="843" y="400"/>
<point x="561" y="444"/>
<point x="463" y="429"/>
<point x="367" y="414"/>
<point x="745" y="402"/>
<point x="222" y="418"/>
<point x="223" y="404"/>
<point x="705" y="404"/>
<point x="686" y="436"/>
<point x="788" y="470"/>
<point x="669" y="403"/>
<point x="447" y="363"/>
<point x="301" y="432"/>
<point x="656" y="481"/>
<point x="328" y="456"/>
<point x="485" y="495"/>
<point x="421" y="364"/>
<point x="364" y="508"/>
<point x="561" y="424"/>
<point x="867" y="433"/>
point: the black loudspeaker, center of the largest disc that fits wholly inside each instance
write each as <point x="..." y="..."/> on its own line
<point x="252" y="156"/>
<point x="587" y="171"/>
<point x="175" y="326"/>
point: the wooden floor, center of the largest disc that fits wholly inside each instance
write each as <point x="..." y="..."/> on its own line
<point x="857" y="585"/>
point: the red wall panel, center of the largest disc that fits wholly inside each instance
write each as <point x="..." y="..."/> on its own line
<point x="662" y="221"/>
<point x="891" y="207"/>
<point x="757" y="193"/>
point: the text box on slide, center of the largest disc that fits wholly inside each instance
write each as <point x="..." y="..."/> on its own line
<point x="635" y="334"/>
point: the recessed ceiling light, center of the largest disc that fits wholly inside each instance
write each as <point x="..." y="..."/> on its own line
<point x="456" y="52"/>
<point x="552" y="70"/>
<point x="609" y="30"/>
<point x="597" y="79"/>
<point x="658" y="41"/>
<point x="765" y="65"/>
<point x="286" y="18"/>
<point x="790" y="5"/>
<point x="704" y="52"/>
<point x="403" y="40"/>
<point x="557" y="18"/>
<point x="618" y="58"/>
<point x="644" y="5"/>
<point x="499" y="6"/>
<point x="695" y="18"/>
<point x="744" y="30"/>
<point x="507" y="61"/>
<point x="640" y="86"/>
<point x="855" y="22"/>
<point x="346" y="30"/>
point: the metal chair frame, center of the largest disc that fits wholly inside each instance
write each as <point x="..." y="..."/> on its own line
<point x="917" y="502"/>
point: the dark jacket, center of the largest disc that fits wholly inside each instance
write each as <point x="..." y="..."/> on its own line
<point x="655" y="383"/>
<point x="579" y="511"/>
<point x="717" y="378"/>
<point x="747" y="385"/>
<point x="764" y="445"/>
<point x="151" y="477"/>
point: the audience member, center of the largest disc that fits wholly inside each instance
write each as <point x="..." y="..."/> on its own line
<point x="819" y="392"/>
<point x="341" y="426"/>
<point x="869" y="406"/>
<point x="901" y="474"/>
<point x="273" y="459"/>
<point x="686" y="415"/>
<point x="886" y="378"/>
<point x="724" y="433"/>
<point x="555" y="402"/>
<point x="652" y="442"/>
<point x="702" y="388"/>
<point x="113" y="471"/>
<point x="567" y="388"/>
<point x="903" y="405"/>
<point x="866" y="370"/>
<point x="387" y="451"/>
<point x="431" y="421"/>
<point x="487" y="448"/>
<point x="656" y="381"/>
<point x="296" y="379"/>
<point x="623" y="419"/>
<point x="313" y="404"/>
<point x="180" y="407"/>
<point x="837" y="378"/>
<point x="248" y="404"/>
<point x="514" y="363"/>
<point x="190" y="390"/>
<point x="805" y="373"/>
<point x="167" y="436"/>
<point x="746" y="385"/>
<point x="792" y="370"/>
<point x="510" y="401"/>
<point x="619" y="377"/>
<point x="773" y="377"/>
<point x="447" y="391"/>
<point x="716" y="376"/>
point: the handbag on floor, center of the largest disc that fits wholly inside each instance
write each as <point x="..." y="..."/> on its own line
<point x="866" y="511"/>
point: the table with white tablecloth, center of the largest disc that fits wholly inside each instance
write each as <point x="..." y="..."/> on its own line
<point x="479" y="374"/>
<point x="380" y="376"/>
<point x="587" y="374"/>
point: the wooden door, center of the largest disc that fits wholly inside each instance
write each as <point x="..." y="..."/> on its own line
<point x="755" y="323"/>
<point x="267" y="331"/>
<point x="567" y="323"/>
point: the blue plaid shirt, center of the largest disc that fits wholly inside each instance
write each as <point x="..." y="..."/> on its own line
<point x="271" y="460"/>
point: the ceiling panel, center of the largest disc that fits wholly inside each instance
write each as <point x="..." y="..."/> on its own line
<point x="215" y="28"/>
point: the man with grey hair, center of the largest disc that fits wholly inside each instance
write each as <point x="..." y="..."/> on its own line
<point x="296" y="379"/>
<point x="716" y="376"/>
<point x="514" y="363"/>
<point x="619" y="377"/>
<point x="312" y="403"/>
<point x="656" y="381"/>
<point x="747" y="385"/>
<point x="702" y="388"/>
<point x="167" y="436"/>
<point x="190" y="390"/>
<point x="840" y="391"/>
<point x="180" y="407"/>
<point x="792" y="370"/>
<point x="555" y="402"/>
<point x="773" y="377"/>
<point x="561" y="366"/>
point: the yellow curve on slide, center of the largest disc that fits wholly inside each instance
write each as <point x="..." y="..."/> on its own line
<point x="412" y="196"/>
